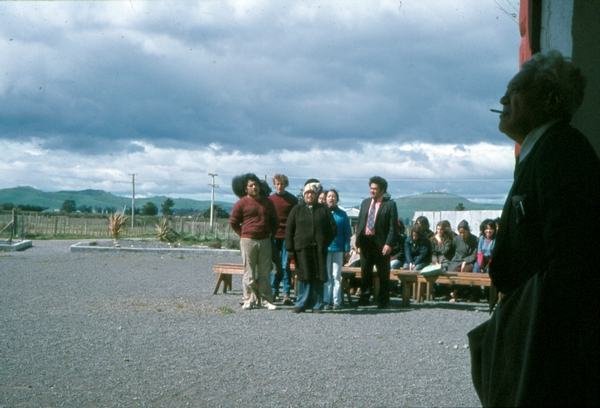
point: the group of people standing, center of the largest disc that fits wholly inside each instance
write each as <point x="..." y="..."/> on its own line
<point x="312" y="234"/>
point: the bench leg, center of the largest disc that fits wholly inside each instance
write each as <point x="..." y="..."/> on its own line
<point x="226" y="282"/>
<point x="219" y="280"/>
<point x="346" y="290"/>
<point x="226" y="279"/>
<point x="406" y="289"/>
<point x="419" y="292"/>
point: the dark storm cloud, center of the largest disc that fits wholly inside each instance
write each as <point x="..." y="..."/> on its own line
<point x="274" y="75"/>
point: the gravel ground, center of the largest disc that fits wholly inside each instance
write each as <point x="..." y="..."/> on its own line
<point x="143" y="329"/>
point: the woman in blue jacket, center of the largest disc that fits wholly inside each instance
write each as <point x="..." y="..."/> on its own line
<point x="418" y="251"/>
<point x="337" y="252"/>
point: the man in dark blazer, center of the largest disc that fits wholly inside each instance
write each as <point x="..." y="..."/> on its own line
<point x="540" y="346"/>
<point x="375" y="238"/>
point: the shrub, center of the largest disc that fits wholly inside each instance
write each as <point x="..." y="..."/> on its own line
<point x="116" y="224"/>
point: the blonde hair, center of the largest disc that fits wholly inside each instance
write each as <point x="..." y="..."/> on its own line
<point x="282" y="178"/>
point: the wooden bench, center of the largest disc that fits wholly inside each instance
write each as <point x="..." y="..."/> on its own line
<point x="224" y="271"/>
<point x="450" y="278"/>
<point x="408" y="279"/>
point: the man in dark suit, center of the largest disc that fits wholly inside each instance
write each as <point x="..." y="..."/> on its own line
<point x="375" y="238"/>
<point x="540" y="346"/>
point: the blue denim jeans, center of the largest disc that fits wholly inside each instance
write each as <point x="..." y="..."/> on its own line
<point x="417" y="267"/>
<point x="282" y="268"/>
<point x="332" y="292"/>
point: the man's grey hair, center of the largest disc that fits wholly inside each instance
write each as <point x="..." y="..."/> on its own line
<point x="553" y="72"/>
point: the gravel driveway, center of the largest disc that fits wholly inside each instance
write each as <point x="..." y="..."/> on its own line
<point x="114" y="329"/>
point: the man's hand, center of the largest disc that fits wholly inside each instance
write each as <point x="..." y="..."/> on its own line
<point x="386" y="250"/>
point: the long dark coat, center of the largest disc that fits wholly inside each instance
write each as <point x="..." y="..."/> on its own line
<point x="308" y="234"/>
<point x="541" y="345"/>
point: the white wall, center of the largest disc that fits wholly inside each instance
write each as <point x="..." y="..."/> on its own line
<point x="557" y="17"/>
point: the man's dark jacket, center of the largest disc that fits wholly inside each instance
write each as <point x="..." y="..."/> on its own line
<point x="540" y="346"/>
<point x="386" y="223"/>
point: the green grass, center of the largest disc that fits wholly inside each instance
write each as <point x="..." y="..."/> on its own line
<point x="226" y="310"/>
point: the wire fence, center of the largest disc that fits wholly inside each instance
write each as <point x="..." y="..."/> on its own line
<point x="25" y="225"/>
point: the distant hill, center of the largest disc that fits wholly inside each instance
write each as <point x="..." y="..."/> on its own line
<point x="437" y="202"/>
<point x="94" y="198"/>
<point x="99" y="198"/>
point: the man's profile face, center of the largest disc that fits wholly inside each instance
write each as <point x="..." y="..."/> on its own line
<point x="253" y="189"/>
<point x="375" y="191"/>
<point x="279" y="187"/>
<point x="522" y="105"/>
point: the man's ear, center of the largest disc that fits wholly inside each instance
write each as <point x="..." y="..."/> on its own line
<point x="553" y="102"/>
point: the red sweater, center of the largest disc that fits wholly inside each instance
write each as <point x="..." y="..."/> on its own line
<point x="256" y="219"/>
<point x="283" y="205"/>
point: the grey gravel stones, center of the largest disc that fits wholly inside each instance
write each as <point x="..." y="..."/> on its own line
<point x="143" y="329"/>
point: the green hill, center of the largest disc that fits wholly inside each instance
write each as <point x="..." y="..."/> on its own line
<point x="437" y="202"/>
<point x="98" y="198"/>
<point x="94" y="198"/>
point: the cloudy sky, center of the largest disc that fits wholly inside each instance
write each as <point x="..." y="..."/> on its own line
<point x="92" y="92"/>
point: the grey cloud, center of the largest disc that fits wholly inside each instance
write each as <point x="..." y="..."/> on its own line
<point x="254" y="83"/>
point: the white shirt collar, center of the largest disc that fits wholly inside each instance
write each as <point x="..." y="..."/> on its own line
<point x="532" y="138"/>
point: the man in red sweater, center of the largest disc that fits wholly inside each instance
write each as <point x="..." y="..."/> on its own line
<point x="254" y="219"/>
<point x="283" y="202"/>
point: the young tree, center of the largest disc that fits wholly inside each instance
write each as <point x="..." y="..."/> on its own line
<point x="166" y="207"/>
<point x="68" y="206"/>
<point x="149" y="209"/>
<point x="218" y="213"/>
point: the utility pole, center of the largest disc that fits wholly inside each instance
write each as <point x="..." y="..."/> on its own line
<point x="212" y="199"/>
<point x="132" y="199"/>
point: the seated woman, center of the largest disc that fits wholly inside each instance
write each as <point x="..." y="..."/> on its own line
<point x="417" y="251"/>
<point x="465" y="255"/>
<point x="423" y="223"/>
<point x="486" y="245"/>
<point x="487" y="240"/>
<point x="354" y="262"/>
<point x="398" y="257"/>
<point x="442" y="245"/>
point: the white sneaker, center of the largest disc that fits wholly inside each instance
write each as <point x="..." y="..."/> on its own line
<point x="247" y="305"/>
<point x="269" y="305"/>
